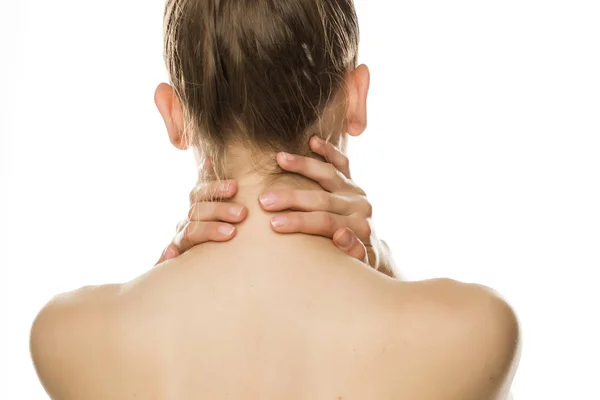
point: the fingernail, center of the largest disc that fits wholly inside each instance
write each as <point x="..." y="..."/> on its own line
<point x="345" y="240"/>
<point x="288" y="157"/>
<point x="279" y="221"/>
<point x="226" y="187"/>
<point x="268" y="199"/>
<point x="226" y="230"/>
<point x="236" y="211"/>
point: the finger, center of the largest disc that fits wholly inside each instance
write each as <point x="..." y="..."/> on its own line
<point x="323" y="173"/>
<point x="322" y="224"/>
<point x="313" y="223"/>
<point x="214" y="190"/>
<point x="196" y="232"/>
<point x="214" y="211"/>
<point x="307" y="200"/>
<point x="332" y="154"/>
<point x="169" y="253"/>
<point x="347" y="241"/>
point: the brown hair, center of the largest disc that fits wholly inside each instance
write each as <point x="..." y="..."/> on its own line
<point x="260" y="73"/>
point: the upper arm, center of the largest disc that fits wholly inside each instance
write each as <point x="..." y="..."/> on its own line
<point x="74" y="341"/>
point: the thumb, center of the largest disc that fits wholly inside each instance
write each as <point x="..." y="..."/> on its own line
<point x="169" y="253"/>
<point x="347" y="241"/>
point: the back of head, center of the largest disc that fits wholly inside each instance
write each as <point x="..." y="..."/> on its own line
<point x="261" y="74"/>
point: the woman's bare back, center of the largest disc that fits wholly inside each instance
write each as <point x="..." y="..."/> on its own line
<point x="301" y="321"/>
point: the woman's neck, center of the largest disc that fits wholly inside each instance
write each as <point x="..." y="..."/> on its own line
<point x="251" y="187"/>
<point x="255" y="239"/>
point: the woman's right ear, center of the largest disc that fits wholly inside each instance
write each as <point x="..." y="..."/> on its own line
<point x="170" y="109"/>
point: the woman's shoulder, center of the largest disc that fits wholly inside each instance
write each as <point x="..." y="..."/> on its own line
<point x="463" y="333"/>
<point x="76" y="335"/>
<point x="464" y="312"/>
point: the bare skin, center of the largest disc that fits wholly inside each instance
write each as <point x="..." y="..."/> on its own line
<point x="335" y="213"/>
<point x="266" y="315"/>
<point x="231" y="320"/>
<point x="302" y="321"/>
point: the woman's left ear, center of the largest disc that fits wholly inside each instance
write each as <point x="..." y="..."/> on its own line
<point x="358" y="90"/>
<point x="171" y="111"/>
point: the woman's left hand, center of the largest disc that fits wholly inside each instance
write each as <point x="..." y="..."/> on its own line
<point x="342" y="212"/>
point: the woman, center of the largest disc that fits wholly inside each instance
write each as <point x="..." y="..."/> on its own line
<point x="252" y="313"/>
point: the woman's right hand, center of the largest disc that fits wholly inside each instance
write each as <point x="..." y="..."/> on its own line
<point x="210" y="219"/>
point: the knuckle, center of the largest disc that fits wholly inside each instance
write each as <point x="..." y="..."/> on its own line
<point x="327" y="222"/>
<point x="331" y="171"/>
<point x="329" y="152"/>
<point x="344" y="161"/>
<point x="332" y="177"/>
<point x="369" y="210"/>
<point x="323" y="201"/>
<point x="364" y="229"/>
<point x="287" y="197"/>
<point x="367" y="229"/>
<point x="368" y="207"/>
<point x="360" y="191"/>
<point x="205" y="211"/>
<point x="212" y="210"/>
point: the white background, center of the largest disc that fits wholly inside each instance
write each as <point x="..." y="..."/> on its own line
<point x="482" y="160"/>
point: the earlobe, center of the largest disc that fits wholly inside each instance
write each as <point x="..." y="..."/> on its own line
<point x="169" y="108"/>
